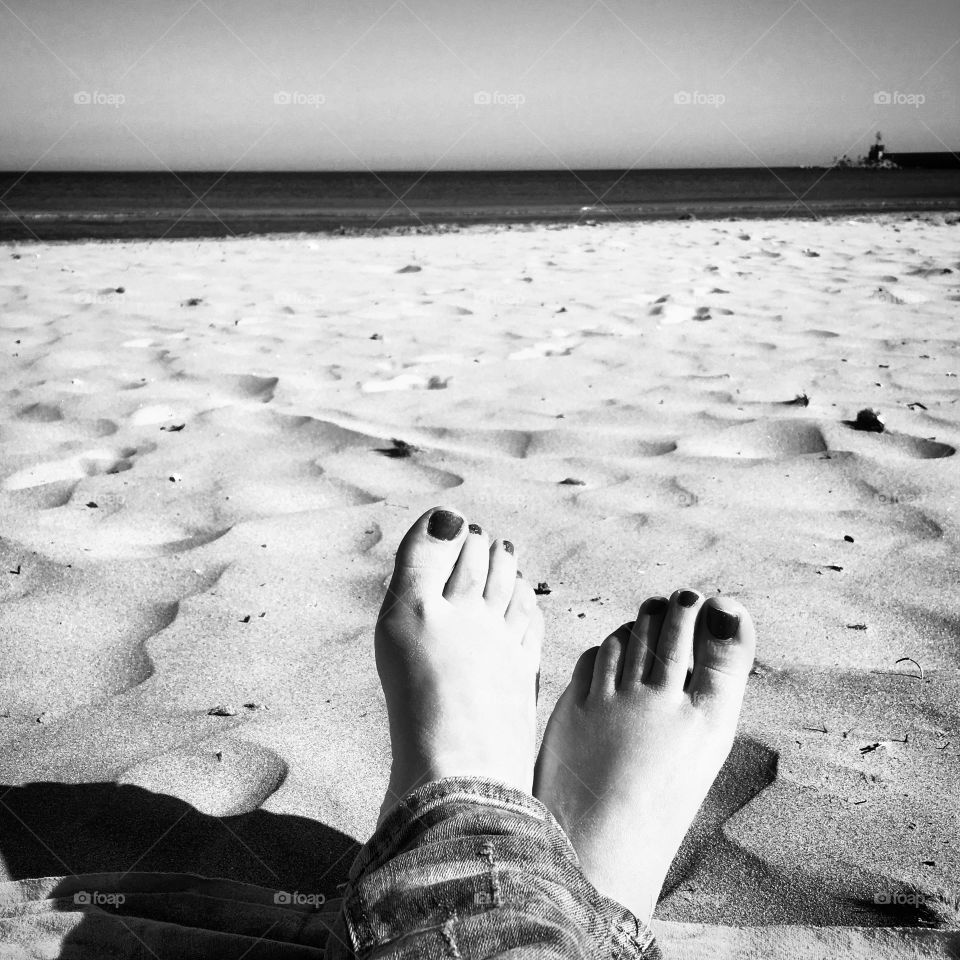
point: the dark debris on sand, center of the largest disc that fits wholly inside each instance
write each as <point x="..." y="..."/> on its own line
<point x="399" y="449"/>
<point x="542" y="588"/>
<point x="231" y="710"/>
<point x="869" y="421"/>
<point x="800" y="400"/>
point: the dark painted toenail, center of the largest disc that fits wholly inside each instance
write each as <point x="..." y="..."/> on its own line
<point x="444" y="525"/>
<point x="687" y="598"/>
<point x="721" y="624"/>
<point x="654" y="606"/>
<point x="508" y="546"/>
<point x="475" y="528"/>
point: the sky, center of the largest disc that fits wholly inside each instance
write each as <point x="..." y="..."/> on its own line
<point x="450" y="84"/>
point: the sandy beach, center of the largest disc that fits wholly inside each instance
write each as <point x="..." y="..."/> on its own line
<point x="210" y="450"/>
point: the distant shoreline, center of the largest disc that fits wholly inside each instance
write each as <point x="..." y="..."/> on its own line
<point x="80" y="227"/>
<point x="138" y="206"/>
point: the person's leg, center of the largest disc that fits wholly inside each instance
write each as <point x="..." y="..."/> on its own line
<point x="458" y="652"/>
<point x="635" y="741"/>
<point x="465" y="862"/>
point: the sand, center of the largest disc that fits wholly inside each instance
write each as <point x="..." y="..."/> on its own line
<point x="209" y="451"/>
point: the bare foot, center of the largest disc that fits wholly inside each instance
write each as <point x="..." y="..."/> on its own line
<point x="458" y="651"/>
<point x="632" y="746"/>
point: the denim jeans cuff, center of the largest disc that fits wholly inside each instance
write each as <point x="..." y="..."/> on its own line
<point x="622" y="934"/>
<point x="394" y="833"/>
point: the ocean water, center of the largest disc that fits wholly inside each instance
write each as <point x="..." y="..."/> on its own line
<point x="66" y="206"/>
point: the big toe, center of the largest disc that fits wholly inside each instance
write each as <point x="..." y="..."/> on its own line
<point x="428" y="554"/>
<point x="723" y="650"/>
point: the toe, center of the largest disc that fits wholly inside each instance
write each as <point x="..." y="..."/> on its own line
<point x="501" y="576"/>
<point x="642" y="644"/>
<point x="426" y="557"/>
<point x="470" y="571"/>
<point x="609" y="664"/>
<point x="722" y="654"/>
<point x="583" y="672"/>
<point x="671" y="658"/>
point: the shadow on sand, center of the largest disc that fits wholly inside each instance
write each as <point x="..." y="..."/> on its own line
<point x="122" y="832"/>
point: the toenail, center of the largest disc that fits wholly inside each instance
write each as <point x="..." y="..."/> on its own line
<point x="687" y="598"/>
<point x="475" y="528"/>
<point x="721" y="624"/>
<point x="508" y="546"/>
<point x="444" y="525"/>
<point x="519" y="575"/>
<point x="653" y="606"/>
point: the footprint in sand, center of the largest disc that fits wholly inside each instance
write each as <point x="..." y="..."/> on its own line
<point x="221" y="777"/>
<point x="901" y="445"/>
<point x="600" y="443"/>
<point x="90" y="463"/>
<point x="780" y="439"/>
<point x="40" y="413"/>
<point x="245" y="386"/>
<point x="120" y="537"/>
<point x="36" y="436"/>
<point x="86" y="627"/>
<point x="759" y="440"/>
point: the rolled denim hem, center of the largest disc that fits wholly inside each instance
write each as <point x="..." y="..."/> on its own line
<point x="466" y="867"/>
